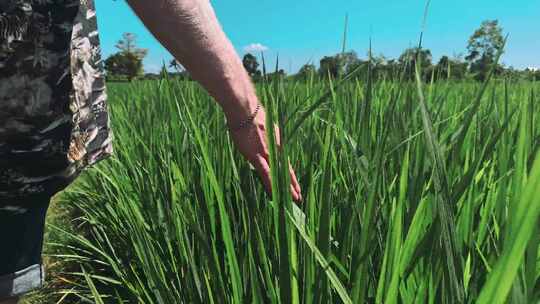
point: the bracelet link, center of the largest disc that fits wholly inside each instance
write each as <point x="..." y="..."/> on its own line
<point x="247" y="121"/>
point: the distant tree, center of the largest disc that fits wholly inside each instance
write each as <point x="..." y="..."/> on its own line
<point x="483" y="46"/>
<point x="329" y="66"/>
<point x="280" y="74"/>
<point x="128" y="44"/>
<point x="174" y="64"/>
<point x="346" y="60"/>
<point x="128" y="61"/>
<point x="124" y="64"/>
<point x="408" y="60"/>
<point x="444" y="68"/>
<point x="458" y="69"/>
<point x="360" y="64"/>
<point x="528" y="75"/>
<point x="390" y="69"/>
<point x="377" y="60"/>
<point x="450" y="68"/>
<point x="411" y="55"/>
<point x="251" y="65"/>
<point x="151" y="76"/>
<point x="381" y="67"/>
<point x="306" y="71"/>
<point x="339" y="64"/>
<point x="180" y="72"/>
<point x="512" y="74"/>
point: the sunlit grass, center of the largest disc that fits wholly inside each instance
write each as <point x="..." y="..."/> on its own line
<point x="177" y="216"/>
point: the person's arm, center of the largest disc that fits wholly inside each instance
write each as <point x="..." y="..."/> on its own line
<point x="190" y="30"/>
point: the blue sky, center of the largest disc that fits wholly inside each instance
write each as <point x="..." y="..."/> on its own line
<point x="304" y="30"/>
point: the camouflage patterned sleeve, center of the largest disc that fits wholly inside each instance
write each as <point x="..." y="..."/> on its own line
<point x="54" y="120"/>
<point x="92" y="136"/>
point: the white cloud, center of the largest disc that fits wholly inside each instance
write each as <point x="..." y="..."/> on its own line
<point x="534" y="69"/>
<point x="255" y="47"/>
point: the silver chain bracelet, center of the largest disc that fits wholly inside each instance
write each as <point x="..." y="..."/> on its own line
<point x="247" y="121"/>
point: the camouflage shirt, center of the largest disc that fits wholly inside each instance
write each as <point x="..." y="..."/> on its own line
<point x="54" y="120"/>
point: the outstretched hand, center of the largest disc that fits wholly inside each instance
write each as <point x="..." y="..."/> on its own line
<point x="252" y="144"/>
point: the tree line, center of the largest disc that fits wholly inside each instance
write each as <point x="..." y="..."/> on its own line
<point x="483" y="48"/>
<point x="127" y="63"/>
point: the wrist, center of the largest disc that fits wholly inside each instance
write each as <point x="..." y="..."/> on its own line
<point x="238" y="109"/>
<point x="244" y="119"/>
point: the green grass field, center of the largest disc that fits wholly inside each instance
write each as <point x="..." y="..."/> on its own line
<point x="413" y="193"/>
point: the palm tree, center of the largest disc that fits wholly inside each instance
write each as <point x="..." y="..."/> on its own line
<point x="174" y="64"/>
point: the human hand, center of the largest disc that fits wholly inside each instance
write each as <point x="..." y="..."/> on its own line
<point x="252" y="144"/>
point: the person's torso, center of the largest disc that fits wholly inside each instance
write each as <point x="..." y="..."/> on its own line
<point x="54" y="119"/>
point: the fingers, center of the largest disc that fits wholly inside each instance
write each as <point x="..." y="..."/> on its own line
<point x="261" y="163"/>
<point x="278" y="136"/>
<point x="262" y="167"/>
<point x="295" y="195"/>
<point x="295" y="185"/>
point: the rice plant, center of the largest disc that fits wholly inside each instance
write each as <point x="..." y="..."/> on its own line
<point x="414" y="193"/>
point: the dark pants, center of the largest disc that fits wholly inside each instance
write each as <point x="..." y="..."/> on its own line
<point x="21" y="242"/>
